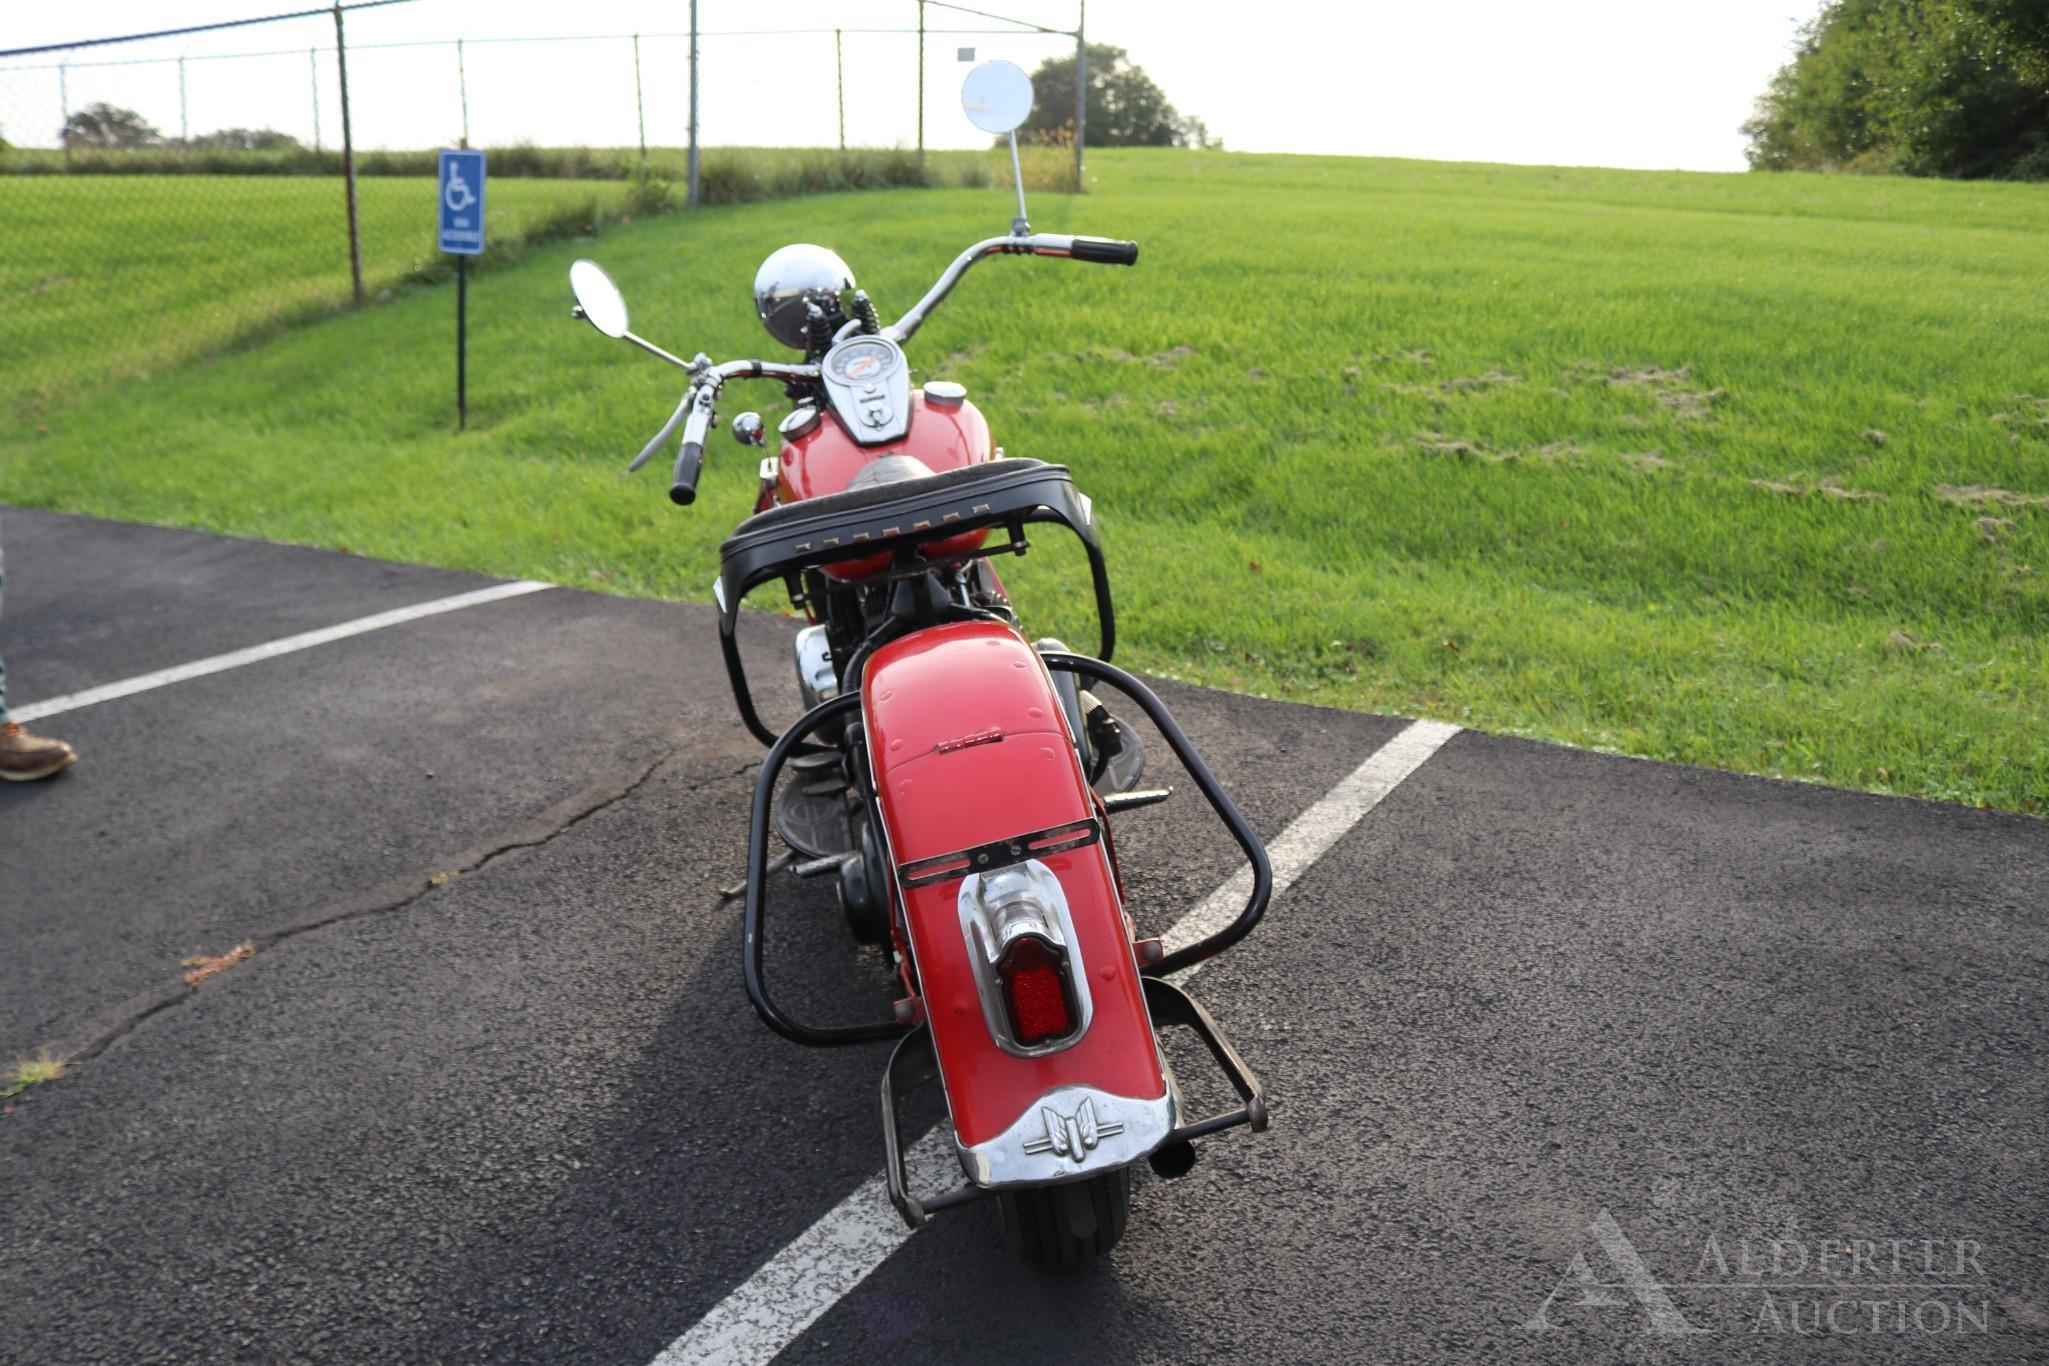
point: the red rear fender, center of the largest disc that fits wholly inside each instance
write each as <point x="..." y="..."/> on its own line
<point x="968" y="745"/>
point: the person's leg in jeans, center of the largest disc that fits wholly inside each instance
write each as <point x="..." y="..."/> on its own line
<point x="25" y="757"/>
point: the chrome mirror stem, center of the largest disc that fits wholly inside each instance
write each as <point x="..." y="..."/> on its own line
<point x="654" y="350"/>
<point x="1019" y="226"/>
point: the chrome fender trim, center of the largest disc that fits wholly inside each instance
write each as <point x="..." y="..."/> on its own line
<point x="1069" y="1133"/>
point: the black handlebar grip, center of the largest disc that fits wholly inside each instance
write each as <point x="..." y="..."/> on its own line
<point x="1107" y="250"/>
<point x="683" y="483"/>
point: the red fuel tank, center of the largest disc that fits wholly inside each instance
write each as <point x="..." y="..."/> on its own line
<point x="944" y="436"/>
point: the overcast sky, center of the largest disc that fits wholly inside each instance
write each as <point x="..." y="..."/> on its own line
<point x="1644" y="83"/>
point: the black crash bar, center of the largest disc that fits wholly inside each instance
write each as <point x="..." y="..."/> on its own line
<point x="754" y="939"/>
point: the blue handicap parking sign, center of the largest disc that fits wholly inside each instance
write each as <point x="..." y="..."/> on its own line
<point x="462" y="202"/>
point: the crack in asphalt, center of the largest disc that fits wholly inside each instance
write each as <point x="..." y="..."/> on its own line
<point x="387" y="899"/>
<point x="478" y="862"/>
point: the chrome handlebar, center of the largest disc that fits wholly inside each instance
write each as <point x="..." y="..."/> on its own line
<point x="1103" y="249"/>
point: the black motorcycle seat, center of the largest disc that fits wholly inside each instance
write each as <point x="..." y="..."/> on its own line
<point x="834" y="512"/>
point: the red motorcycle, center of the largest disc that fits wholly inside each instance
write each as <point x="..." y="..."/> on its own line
<point x="956" y="780"/>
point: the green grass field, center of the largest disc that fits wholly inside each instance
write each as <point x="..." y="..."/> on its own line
<point x="114" y="275"/>
<point x="1749" y="471"/>
<point x="110" y="277"/>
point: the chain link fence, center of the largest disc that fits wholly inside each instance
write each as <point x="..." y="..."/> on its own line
<point x="171" y="197"/>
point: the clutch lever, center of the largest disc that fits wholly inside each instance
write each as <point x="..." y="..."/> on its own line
<point x="668" y="430"/>
<point x="697" y="368"/>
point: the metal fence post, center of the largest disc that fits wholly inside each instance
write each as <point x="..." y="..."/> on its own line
<point x="1081" y="92"/>
<point x="64" y="107"/>
<point x="341" y="59"/>
<point x="639" y="104"/>
<point x="462" y="90"/>
<point x="839" y="72"/>
<point x="184" y="123"/>
<point x="313" y="65"/>
<point x="921" y="82"/>
<point x="693" y="104"/>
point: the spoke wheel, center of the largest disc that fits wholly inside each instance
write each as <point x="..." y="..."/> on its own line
<point x="1070" y="1224"/>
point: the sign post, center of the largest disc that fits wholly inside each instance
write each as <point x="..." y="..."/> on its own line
<point x="461" y="183"/>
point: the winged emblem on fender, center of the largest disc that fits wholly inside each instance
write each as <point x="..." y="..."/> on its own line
<point x="1072" y="1135"/>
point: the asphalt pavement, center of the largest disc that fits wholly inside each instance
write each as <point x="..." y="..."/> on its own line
<point x="1572" y="1056"/>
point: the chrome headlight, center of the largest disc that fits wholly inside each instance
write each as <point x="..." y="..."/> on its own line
<point x="793" y="277"/>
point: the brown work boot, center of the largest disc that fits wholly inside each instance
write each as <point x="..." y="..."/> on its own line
<point x="25" y="758"/>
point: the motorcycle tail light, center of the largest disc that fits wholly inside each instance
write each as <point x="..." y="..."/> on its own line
<point x="1034" y="979"/>
<point x="1031" y="978"/>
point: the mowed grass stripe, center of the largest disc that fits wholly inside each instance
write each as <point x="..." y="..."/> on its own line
<point x="1750" y="471"/>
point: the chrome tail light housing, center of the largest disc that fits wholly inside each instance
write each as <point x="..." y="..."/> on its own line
<point x="1026" y="958"/>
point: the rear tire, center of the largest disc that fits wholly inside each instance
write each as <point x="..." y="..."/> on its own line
<point x="1070" y="1224"/>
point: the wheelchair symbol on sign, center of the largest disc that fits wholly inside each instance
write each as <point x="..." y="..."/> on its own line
<point x="457" y="193"/>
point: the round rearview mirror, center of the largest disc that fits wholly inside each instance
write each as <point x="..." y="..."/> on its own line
<point x="997" y="97"/>
<point x="599" y="298"/>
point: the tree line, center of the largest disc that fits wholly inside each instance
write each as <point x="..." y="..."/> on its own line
<point x="1915" y="87"/>
<point x="1126" y="107"/>
<point x="102" y="126"/>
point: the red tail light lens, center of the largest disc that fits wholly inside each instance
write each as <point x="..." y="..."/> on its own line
<point x="1035" y="986"/>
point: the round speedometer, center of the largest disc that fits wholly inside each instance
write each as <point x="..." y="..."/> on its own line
<point x="862" y="361"/>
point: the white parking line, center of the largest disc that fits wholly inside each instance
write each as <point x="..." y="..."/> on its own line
<point x="235" y="659"/>
<point x="794" y="1288"/>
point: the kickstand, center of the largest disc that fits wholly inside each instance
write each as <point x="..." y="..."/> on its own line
<point x="776" y="865"/>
